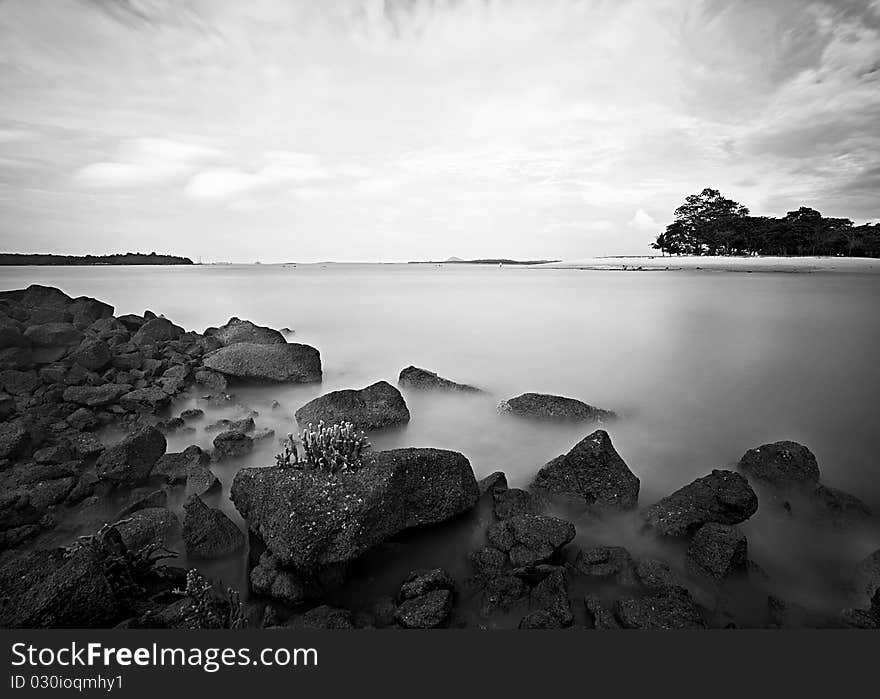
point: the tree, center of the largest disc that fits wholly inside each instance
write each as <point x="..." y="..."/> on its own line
<point x="707" y="223"/>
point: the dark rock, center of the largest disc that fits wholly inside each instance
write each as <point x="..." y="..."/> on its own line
<point x="326" y="617"/>
<point x="551" y="595"/>
<point x="415" y="378"/>
<point x="211" y="381"/>
<point x="547" y="407"/>
<point x="718" y="552"/>
<point x="149" y="399"/>
<point x="427" y="611"/>
<point x="722" y="496"/>
<point x="157" y="330"/>
<point x="130" y="461"/>
<point x="867" y="577"/>
<point x="530" y="539"/>
<point x="374" y="407"/>
<point x="836" y="506"/>
<point x="673" y="611"/>
<point x="493" y="482"/>
<point x="247" y="361"/>
<point x="513" y="502"/>
<point x="175" y="467"/>
<point x="230" y="444"/>
<point x="200" y="479"/>
<point x="269" y="579"/>
<point x="542" y="619"/>
<point x="236" y="331"/>
<point x="92" y="354"/>
<point x="592" y="474"/>
<point x="607" y="563"/>
<point x="96" y="396"/>
<point x="192" y="414"/>
<point x="131" y="322"/>
<point x="603" y="619"/>
<point x="208" y="532"/>
<point x="310" y="519"/>
<point x="55" y="454"/>
<point x="85" y="445"/>
<point x="658" y="577"/>
<point x="420" y="582"/>
<point x="152" y="499"/>
<point x="152" y="525"/>
<point x="53" y="335"/>
<point x="488" y="562"/>
<point x="19" y="383"/>
<point x="503" y="593"/>
<point x="83" y="419"/>
<point x="13" y="440"/>
<point x="781" y="465"/>
<point x="45" y="494"/>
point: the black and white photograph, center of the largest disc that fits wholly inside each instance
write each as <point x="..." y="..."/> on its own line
<point x="496" y="315"/>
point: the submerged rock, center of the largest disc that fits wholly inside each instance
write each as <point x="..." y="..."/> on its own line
<point x="718" y="552"/>
<point x="281" y="363"/>
<point x="603" y="619"/>
<point x="722" y="496"/>
<point x="310" y="519"/>
<point x="175" y="467"/>
<point x="591" y="474"/>
<point x="548" y="407"/>
<point x="270" y="579"/>
<point x="130" y="461"/>
<point x="422" y="379"/>
<point x="607" y="563"/>
<point x="232" y="443"/>
<point x="530" y="539"/>
<point x="374" y="407"/>
<point x="237" y="330"/>
<point x="781" y="465"/>
<point x="208" y="532"/>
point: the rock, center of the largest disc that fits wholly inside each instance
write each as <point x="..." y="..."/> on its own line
<point x="175" y="467"/>
<point x="7" y="406"/>
<point x="13" y="440"/>
<point x="551" y="595"/>
<point x="211" y="381"/>
<point x="85" y="446"/>
<point x="422" y="379"/>
<point x="19" y="383"/>
<point x="53" y="335"/>
<point x="540" y="620"/>
<point x="208" y="532"/>
<point x="420" y="582"/>
<point x="156" y="330"/>
<point x="231" y="444"/>
<point x="493" y="482"/>
<point x="427" y="611"/>
<point x="269" y="579"/>
<point x="657" y="576"/>
<point x="152" y="525"/>
<point x="236" y="331"/>
<point x="673" y="611"/>
<point x="718" y="552"/>
<point x="45" y="494"/>
<point x="781" y="465"/>
<point x="200" y="479"/>
<point x="83" y="419"/>
<point x="155" y="498"/>
<point x="488" y="562"/>
<point x="867" y="577"/>
<point x="374" y="407"/>
<point x="131" y="322"/>
<point x="130" y="461"/>
<point x="513" y="502"/>
<point x="503" y="593"/>
<point x="54" y="454"/>
<point x="722" y="496"/>
<point x="247" y="361"/>
<point x="173" y="379"/>
<point x="547" y="407"/>
<point x="86" y="311"/>
<point x="192" y="414"/>
<point x="92" y="354"/>
<point x="607" y="563"/>
<point x="591" y="474"/>
<point x="326" y="617"/>
<point x="96" y="396"/>
<point x="310" y="519"/>
<point x="149" y="399"/>
<point x="603" y="619"/>
<point x="837" y="506"/>
<point x="530" y="539"/>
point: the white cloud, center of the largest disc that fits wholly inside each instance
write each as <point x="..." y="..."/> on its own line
<point x="642" y="221"/>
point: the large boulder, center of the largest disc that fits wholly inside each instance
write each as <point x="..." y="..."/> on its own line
<point x="310" y="519"/>
<point x="175" y="467"/>
<point x="422" y="379"/>
<point x="237" y="330"/>
<point x="231" y="444"/>
<point x="149" y="399"/>
<point x="248" y="361"/>
<point x="427" y="611"/>
<point x="591" y="474"/>
<point x="676" y="610"/>
<point x="92" y="354"/>
<point x="96" y="396"/>
<point x="374" y="407"/>
<point x="53" y="335"/>
<point x="543" y="406"/>
<point x="722" y="496"/>
<point x="530" y="539"/>
<point x="130" y="461"/>
<point x="208" y="532"/>
<point x="781" y="465"/>
<point x="718" y="552"/>
<point x="150" y="525"/>
<point x="13" y="439"/>
<point x="157" y="330"/>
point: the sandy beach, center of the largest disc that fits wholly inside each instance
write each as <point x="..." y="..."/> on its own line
<point x="723" y="264"/>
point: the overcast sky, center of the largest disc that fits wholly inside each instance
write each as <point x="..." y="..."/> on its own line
<point x="368" y="130"/>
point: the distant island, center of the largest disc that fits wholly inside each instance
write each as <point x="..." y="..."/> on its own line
<point x="128" y="258"/>
<point x="491" y="261"/>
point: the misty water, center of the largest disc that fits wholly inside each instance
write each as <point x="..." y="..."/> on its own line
<point x="701" y="365"/>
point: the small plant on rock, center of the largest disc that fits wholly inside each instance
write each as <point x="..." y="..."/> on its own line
<point x="210" y="609"/>
<point x="329" y="448"/>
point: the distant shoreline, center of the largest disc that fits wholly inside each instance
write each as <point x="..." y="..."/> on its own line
<point x="722" y="264"/>
<point x="490" y="261"/>
<point x="128" y="258"/>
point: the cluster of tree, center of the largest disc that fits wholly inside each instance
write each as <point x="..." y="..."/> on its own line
<point x="711" y="224"/>
<point x="128" y="258"/>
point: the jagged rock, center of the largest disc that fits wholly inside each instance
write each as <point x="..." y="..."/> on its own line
<point x="542" y="619"/>
<point x="231" y="444"/>
<point x="152" y="499"/>
<point x="530" y="539"/>
<point x="591" y="474"/>
<point x="151" y="525"/>
<point x="608" y="563"/>
<point x="513" y="502"/>
<point x="13" y="439"/>
<point x="96" y="396"/>
<point x="130" y="461"/>
<point x="836" y="506"/>
<point x="672" y="611"/>
<point x="55" y="454"/>
<point x="493" y="482"/>
<point x="603" y="619"/>
<point x="92" y="354"/>
<point x="212" y="381"/>
<point x="53" y="335"/>
<point x="83" y="419"/>
<point x="547" y="407"/>
<point x="175" y="467"/>
<point x="192" y="414"/>
<point x="19" y="383"/>
<point x="237" y="330"/>
<point x="285" y="363"/>
<point x="325" y="617"/>
<point x="420" y="582"/>
<point x="658" y="577"/>
<point x="374" y="407"/>
<point x="781" y="465"/>
<point x="208" y="532"/>
<point x="156" y="330"/>
<point x="551" y="595"/>
<point x="422" y="379"/>
<point x="269" y="579"/>
<point x="310" y="519"/>
<point x="718" y="552"/>
<point x="722" y="496"/>
<point x="200" y="479"/>
<point x="148" y="399"/>
<point x="427" y="611"/>
<point x="488" y="562"/>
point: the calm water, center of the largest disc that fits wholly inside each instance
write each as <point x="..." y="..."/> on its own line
<point x="702" y="365"/>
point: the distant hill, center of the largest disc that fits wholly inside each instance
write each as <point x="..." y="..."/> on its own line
<point x="128" y="258"/>
<point x="492" y="261"/>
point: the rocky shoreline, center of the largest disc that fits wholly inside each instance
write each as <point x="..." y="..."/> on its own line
<point x="70" y="370"/>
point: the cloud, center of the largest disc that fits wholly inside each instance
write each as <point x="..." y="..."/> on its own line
<point x="642" y="221"/>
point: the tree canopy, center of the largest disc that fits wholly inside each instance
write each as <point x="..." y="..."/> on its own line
<point x="710" y="224"/>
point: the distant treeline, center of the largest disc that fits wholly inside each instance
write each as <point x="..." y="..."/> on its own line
<point x="710" y="224"/>
<point x="489" y="261"/>
<point x="128" y="258"/>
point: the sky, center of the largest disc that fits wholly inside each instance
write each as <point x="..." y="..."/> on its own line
<point x="370" y="130"/>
